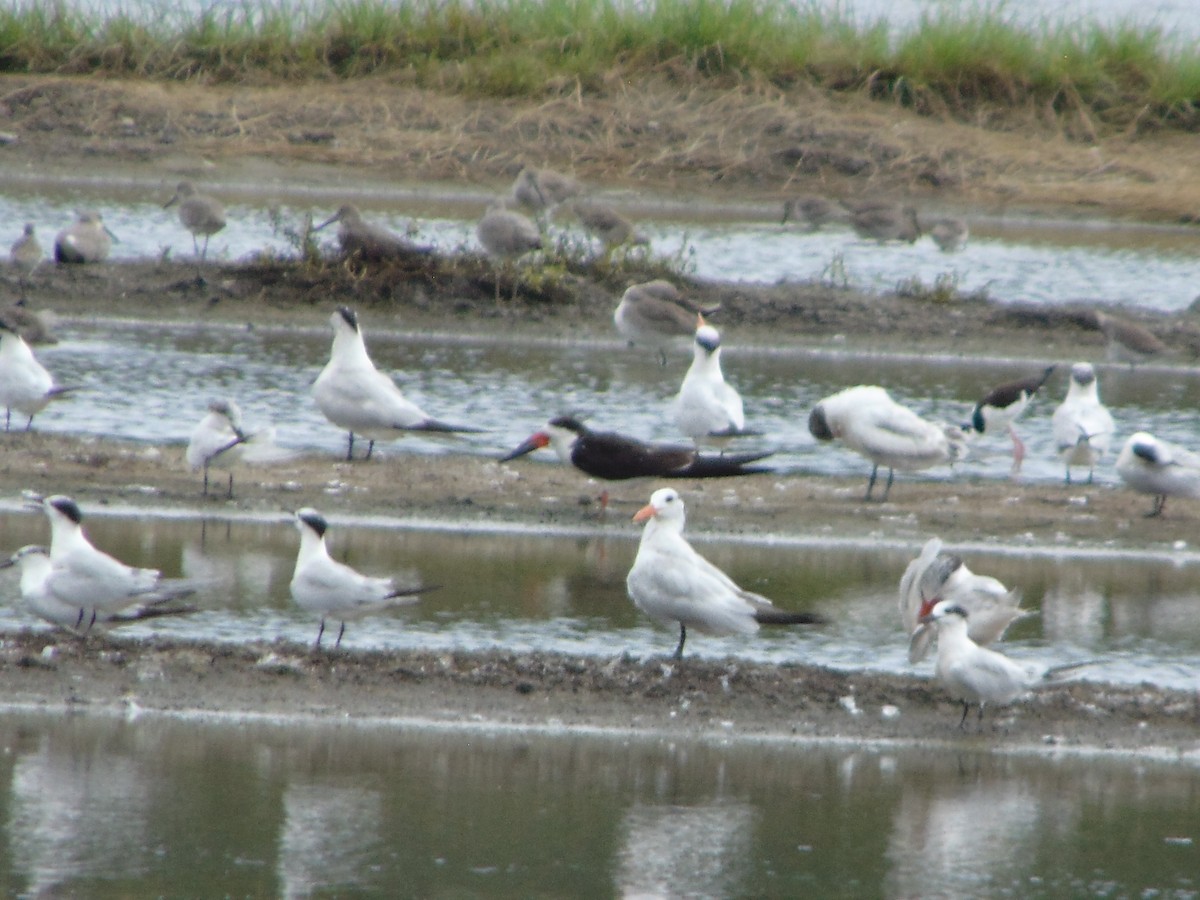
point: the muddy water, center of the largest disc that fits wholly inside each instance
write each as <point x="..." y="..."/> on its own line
<point x="104" y="808"/>
<point x="1134" y="615"/>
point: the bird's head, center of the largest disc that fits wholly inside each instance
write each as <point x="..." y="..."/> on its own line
<point x="309" y="520"/>
<point x="665" y="504"/>
<point x="937" y="610"/>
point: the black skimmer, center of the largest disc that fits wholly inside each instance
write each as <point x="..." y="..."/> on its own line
<point x="869" y="422"/>
<point x="1083" y="427"/>
<point x="1002" y="405"/>
<point x="674" y="585"/>
<point x="1158" y="467"/>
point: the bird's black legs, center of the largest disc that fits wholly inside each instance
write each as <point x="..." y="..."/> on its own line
<point x="320" y="632"/>
<point x="1160" y="503"/>
<point x="341" y="631"/>
<point x="871" y="481"/>
<point x="682" y="637"/>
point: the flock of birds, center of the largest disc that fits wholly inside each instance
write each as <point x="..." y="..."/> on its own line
<point x="75" y="586"/>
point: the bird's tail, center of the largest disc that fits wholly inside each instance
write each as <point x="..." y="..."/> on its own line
<point x="63" y="391"/>
<point x="1055" y="674"/>
<point x="401" y="594"/>
<point x="155" y="611"/>
<point x="443" y="427"/>
<point x="722" y="466"/>
<point x="771" y="616"/>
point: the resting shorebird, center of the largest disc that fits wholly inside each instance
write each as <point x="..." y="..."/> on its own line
<point x="950" y="234"/>
<point x="541" y="190"/>
<point x="88" y="240"/>
<point x="812" y="210"/>
<point x="674" y="585"/>
<point x="25" y="384"/>
<point x="707" y="409"/>
<point x="1127" y="341"/>
<point x="356" y="396"/>
<point x="608" y="226"/>
<point x="655" y="314"/>
<point x="886" y="222"/>
<point x="935" y="576"/>
<point x="26" y="255"/>
<point x="1083" y="427"/>
<point x="869" y="422"/>
<point x="1161" y="468"/>
<point x="199" y="213"/>
<point x="369" y="242"/>
<point x="1002" y="405"/>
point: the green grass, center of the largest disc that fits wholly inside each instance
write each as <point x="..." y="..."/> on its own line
<point x="951" y="60"/>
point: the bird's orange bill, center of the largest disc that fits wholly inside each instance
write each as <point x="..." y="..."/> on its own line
<point x="533" y="442"/>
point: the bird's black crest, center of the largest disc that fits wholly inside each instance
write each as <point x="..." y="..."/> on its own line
<point x="1148" y="452"/>
<point x="570" y="423"/>
<point x="315" y="521"/>
<point x="1083" y="376"/>
<point x="349" y="315"/>
<point x="955" y="610"/>
<point x="818" y="426"/>
<point x="710" y="341"/>
<point x="68" y="508"/>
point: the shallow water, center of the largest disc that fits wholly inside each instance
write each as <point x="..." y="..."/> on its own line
<point x="105" y="808"/>
<point x="510" y="387"/>
<point x="1135" y="615"/>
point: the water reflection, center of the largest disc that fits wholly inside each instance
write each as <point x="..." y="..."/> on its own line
<point x="331" y="837"/>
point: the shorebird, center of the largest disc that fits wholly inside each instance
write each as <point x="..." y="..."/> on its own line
<point x="1083" y="427"/>
<point x="886" y="222"/>
<point x="90" y="582"/>
<point x="869" y="422"/>
<point x="603" y="222"/>
<point x="333" y="590"/>
<point x="34" y="327"/>
<point x="540" y="190"/>
<point x="950" y="234"/>
<point x="25" y="384"/>
<point x="36" y="569"/>
<point x="1002" y="405"/>
<point x="354" y="395"/>
<point x="217" y="441"/>
<point x="614" y="457"/>
<point x="655" y="314"/>
<point x="507" y="235"/>
<point x="88" y="240"/>
<point x="367" y="241"/>
<point x="707" y="409"/>
<point x="974" y="674"/>
<point x="812" y="210"/>
<point x="1161" y="468"/>
<point x="198" y="213"/>
<point x="935" y="576"/>
<point x="674" y="585"/>
<point x="1126" y="341"/>
<point x="26" y="255"/>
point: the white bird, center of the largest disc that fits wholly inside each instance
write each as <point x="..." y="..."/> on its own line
<point x="87" y="240"/>
<point x="1158" y="467"/>
<point x="354" y="395"/>
<point x="333" y="590"/>
<point x="655" y="314"/>
<point x="975" y="674"/>
<point x="707" y="409"/>
<point x="935" y="576"/>
<point x="25" y="384"/>
<point x="92" y="583"/>
<point x="217" y="441"/>
<point x="673" y="584"/>
<point x="868" y="421"/>
<point x="200" y="214"/>
<point x="1083" y="427"/>
<point x="36" y="568"/>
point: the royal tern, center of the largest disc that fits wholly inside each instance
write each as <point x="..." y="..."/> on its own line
<point x="811" y="209"/>
<point x="1003" y="405"/>
<point x="87" y="240"/>
<point x="367" y="241"/>
<point x="655" y="314"/>
<point x="333" y="590"/>
<point x="706" y="408"/>
<point x="1127" y="341"/>
<point x="36" y="568"/>
<point x="199" y="213"/>
<point x="1158" y="467"/>
<point x="218" y="441"/>
<point x="1083" y="427"/>
<point x="614" y="457"/>
<point x="869" y="422"/>
<point x="674" y="585"/>
<point x="974" y="674"/>
<point x="934" y="576"/>
<point x="356" y="396"/>
<point x="92" y="583"/>
<point x="25" y="385"/>
<point x="950" y="235"/>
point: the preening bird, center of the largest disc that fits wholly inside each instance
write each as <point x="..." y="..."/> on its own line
<point x="354" y="395"/>
<point x="217" y="441"/>
<point x="1083" y="427"/>
<point x="868" y="421"/>
<point x="708" y="409"/>
<point x="935" y="576"/>
<point x="540" y="190"/>
<point x="332" y="590"/>
<point x="674" y="585"/>
<point x="1003" y="405"/>
<point x="1153" y="466"/>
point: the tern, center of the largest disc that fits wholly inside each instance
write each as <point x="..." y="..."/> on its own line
<point x="674" y="585"/>
<point x="87" y="240"/>
<point x="333" y="590"/>
<point x="707" y="408"/>
<point x="92" y="583"/>
<point x="199" y="213"/>
<point x="25" y="384"/>
<point x="935" y="576"/>
<point x="1158" y="467"/>
<point x="354" y="395"/>
<point x="217" y="441"/>
<point x="1083" y="427"/>
<point x="615" y="457"/>
<point x="868" y="421"/>
<point x="368" y="241"/>
<point x="975" y="674"/>
<point x="1003" y="405"/>
<point x="36" y="568"/>
<point x="655" y="314"/>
